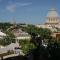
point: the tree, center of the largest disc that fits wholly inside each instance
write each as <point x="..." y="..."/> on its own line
<point x="43" y="32"/>
<point x="8" y="39"/>
<point x="40" y="52"/>
<point x="26" y="45"/>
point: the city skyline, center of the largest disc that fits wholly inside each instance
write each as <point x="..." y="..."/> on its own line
<point x="26" y="11"/>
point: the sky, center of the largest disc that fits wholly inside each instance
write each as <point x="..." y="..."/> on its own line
<point x="26" y="11"/>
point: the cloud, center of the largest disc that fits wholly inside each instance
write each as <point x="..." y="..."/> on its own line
<point x="23" y="4"/>
<point x="13" y="7"/>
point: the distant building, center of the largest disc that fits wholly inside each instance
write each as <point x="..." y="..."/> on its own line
<point x="19" y="34"/>
<point x="56" y="35"/>
<point x="52" y="20"/>
<point x="40" y="26"/>
<point x="12" y="47"/>
<point x="2" y="34"/>
<point x="52" y="17"/>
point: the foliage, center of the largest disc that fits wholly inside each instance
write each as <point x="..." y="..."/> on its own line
<point x="9" y="38"/>
<point x="26" y="45"/>
<point x="52" y="52"/>
<point x="43" y="32"/>
<point x="6" y="40"/>
<point x="5" y="26"/>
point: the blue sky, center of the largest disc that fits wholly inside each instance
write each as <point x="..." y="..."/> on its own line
<point x="26" y="11"/>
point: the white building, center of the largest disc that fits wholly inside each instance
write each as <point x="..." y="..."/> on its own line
<point x="9" y="48"/>
<point x="2" y="34"/>
<point x="52" y="20"/>
<point x="12" y="47"/>
<point x="19" y="34"/>
<point x="40" y="26"/>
